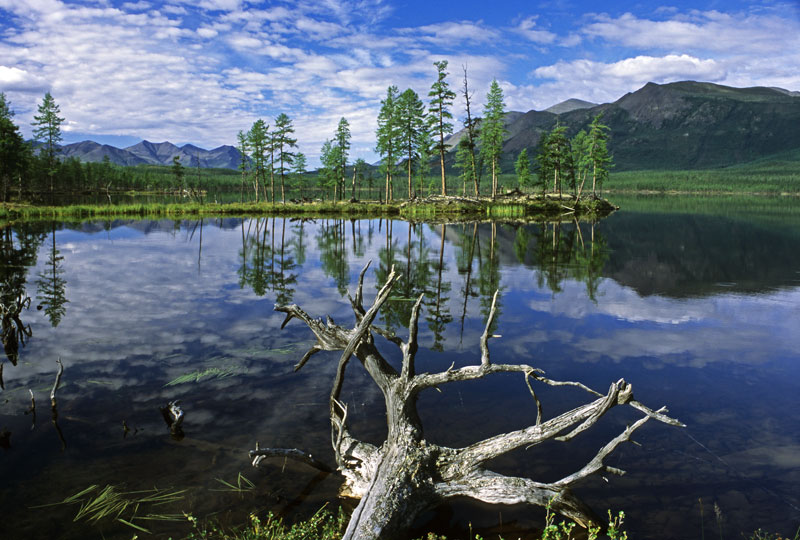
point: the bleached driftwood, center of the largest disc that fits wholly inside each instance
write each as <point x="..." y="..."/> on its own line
<point x="408" y="475"/>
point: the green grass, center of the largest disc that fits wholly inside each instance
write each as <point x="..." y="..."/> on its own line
<point x="127" y="507"/>
<point x="482" y="208"/>
<point x="777" y="174"/>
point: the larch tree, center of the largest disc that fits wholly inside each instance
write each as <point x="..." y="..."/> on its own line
<point x="598" y="152"/>
<point x="300" y="164"/>
<point x="13" y="150"/>
<point x="243" y="148"/>
<point x="579" y="146"/>
<point x="410" y="114"/>
<point x="523" y="169"/>
<point x="177" y="171"/>
<point x="469" y="139"/>
<point x="493" y="131"/>
<point x="330" y="159"/>
<point x="47" y="128"/>
<point x="258" y="139"/>
<point x="439" y="109"/>
<point x="284" y="142"/>
<point x="558" y="156"/>
<point x="386" y="135"/>
<point x="342" y="139"/>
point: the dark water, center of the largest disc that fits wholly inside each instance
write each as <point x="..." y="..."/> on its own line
<point x="699" y="311"/>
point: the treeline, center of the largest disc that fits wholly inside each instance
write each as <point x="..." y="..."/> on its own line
<point x="410" y="139"/>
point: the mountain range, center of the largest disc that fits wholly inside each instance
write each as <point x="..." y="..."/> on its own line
<point x="148" y="153"/>
<point x="682" y="125"/>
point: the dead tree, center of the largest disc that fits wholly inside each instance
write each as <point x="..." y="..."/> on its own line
<point x="408" y="475"/>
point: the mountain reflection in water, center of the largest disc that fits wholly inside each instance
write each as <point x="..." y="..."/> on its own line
<point x="698" y="312"/>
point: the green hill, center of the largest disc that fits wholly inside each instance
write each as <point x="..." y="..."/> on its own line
<point x="683" y="125"/>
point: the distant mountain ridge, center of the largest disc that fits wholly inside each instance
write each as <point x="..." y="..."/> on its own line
<point x="681" y="125"/>
<point x="149" y="153"/>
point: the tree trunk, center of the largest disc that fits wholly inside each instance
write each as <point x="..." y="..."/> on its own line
<point x="408" y="475"/>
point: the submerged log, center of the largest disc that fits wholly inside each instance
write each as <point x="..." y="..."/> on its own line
<point x="408" y="475"/>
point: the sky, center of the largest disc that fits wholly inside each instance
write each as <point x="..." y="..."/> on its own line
<point x="199" y="71"/>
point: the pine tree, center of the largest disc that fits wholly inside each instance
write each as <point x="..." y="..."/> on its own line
<point x="258" y="138"/>
<point x="342" y="139"/>
<point x="493" y="131"/>
<point x="283" y="142"/>
<point x="331" y="160"/>
<point x="386" y="136"/>
<point x="410" y="113"/>
<point x="177" y="171"/>
<point x="300" y="164"/>
<point x="598" y="153"/>
<point x="47" y="128"/>
<point x="243" y="148"/>
<point x="14" y="153"/>
<point x="471" y="136"/>
<point x="523" y="169"/>
<point x="441" y="100"/>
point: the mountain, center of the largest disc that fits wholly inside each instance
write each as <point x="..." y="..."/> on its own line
<point x="92" y="151"/>
<point x="683" y="125"/>
<point x="570" y="105"/>
<point x="148" y="153"/>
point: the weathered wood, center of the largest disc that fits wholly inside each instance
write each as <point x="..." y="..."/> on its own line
<point x="407" y="475"/>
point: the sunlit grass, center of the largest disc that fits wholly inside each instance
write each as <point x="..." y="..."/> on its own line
<point x="127" y="507"/>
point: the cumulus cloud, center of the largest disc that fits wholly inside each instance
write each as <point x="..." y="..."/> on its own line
<point x="527" y="29"/>
<point x="12" y="78"/>
<point x="699" y="31"/>
<point x="201" y="72"/>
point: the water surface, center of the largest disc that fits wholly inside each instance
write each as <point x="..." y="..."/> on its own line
<point x="698" y="309"/>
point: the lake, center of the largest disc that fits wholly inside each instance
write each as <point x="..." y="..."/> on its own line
<point x="694" y="302"/>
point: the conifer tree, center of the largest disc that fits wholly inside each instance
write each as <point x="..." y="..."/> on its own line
<point x="523" y="169"/>
<point x="258" y="139"/>
<point x="47" y="128"/>
<point x="439" y="109"/>
<point x="410" y="113"/>
<point x="493" y="131"/>
<point x="243" y="148"/>
<point x="283" y="142"/>
<point x="386" y="135"/>
<point x="598" y="152"/>
<point x="14" y="152"/>
<point x="468" y="158"/>
<point x="342" y="139"/>
<point x="177" y="171"/>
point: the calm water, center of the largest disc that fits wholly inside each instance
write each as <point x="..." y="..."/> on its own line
<point x="698" y="310"/>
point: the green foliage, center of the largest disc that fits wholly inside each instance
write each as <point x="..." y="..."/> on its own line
<point x="323" y="525"/>
<point x="387" y="134"/>
<point x="493" y="132"/>
<point x="283" y="142"/>
<point x="410" y="117"/>
<point x="47" y="127"/>
<point x="258" y="141"/>
<point x="177" y="171"/>
<point x="598" y="154"/>
<point x="14" y="153"/>
<point x="342" y="140"/>
<point x="439" y="113"/>
<point x="467" y="162"/>
<point x="523" y="169"/>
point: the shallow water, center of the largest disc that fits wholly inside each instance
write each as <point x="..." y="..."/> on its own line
<point x="699" y="311"/>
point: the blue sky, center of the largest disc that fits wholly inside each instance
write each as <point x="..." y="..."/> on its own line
<point x="199" y="71"/>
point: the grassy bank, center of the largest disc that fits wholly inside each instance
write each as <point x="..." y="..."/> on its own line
<point x="432" y="208"/>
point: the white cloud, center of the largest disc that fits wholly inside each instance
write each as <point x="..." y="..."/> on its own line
<point x="12" y="78"/>
<point x="700" y="31"/>
<point x="527" y="29"/>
